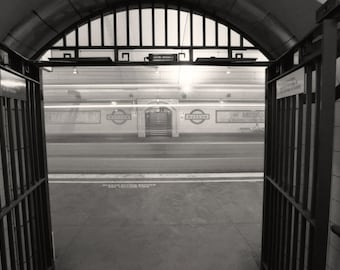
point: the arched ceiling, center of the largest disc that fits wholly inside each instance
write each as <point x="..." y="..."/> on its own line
<point x="28" y="25"/>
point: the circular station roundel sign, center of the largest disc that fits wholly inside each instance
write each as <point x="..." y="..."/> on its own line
<point x="197" y="116"/>
<point x="118" y="117"/>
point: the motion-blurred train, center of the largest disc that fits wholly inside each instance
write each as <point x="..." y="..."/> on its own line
<point x="154" y="136"/>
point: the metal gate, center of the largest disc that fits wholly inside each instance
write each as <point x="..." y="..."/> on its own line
<point x="300" y="98"/>
<point x="25" y="227"/>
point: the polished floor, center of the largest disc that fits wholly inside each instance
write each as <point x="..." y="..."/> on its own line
<point x="157" y="226"/>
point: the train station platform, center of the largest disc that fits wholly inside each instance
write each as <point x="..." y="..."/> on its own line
<point x="132" y="138"/>
<point x="163" y="222"/>
<point x="128" y="154"/>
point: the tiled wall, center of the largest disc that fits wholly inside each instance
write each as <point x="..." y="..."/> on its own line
<point x="334" y="241"/>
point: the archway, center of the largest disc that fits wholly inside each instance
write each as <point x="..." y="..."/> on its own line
<point x="35" y="194"/>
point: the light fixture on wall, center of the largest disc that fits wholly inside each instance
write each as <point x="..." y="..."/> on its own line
<point x="75" y="70"/>
<point x="186" y="88"/>
<point x="157" y="70"/>
<point x="228" y="71"/>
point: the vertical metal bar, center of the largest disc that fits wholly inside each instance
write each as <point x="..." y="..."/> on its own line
<point x="102" y="29"/>
<point x="153" y="23"/>
<point x="3" y="246"/>
<point x="191" y="52"/>
<point x="307" y="135"/>
<point x="2" y="230"/>
<point x="325" y="146"/>
<point x="45" y="187"/>
<point x="275" y="227"/>
<point x="204" y="31"/>
<point x="276" y="206"/>
<point x="280" y="142"/>
<point x="230" y="51"/>
<point x="299" y="148"/>
<point x="140" y="24"/>
<point x="286" y="167"/>
<point x="21" y="176"/>
<point x="166" y="24"/>
<point x="316" y="138"/>
<point x="288" y="236"/>
<point x="266" y="203"/>
<point x="6" y="179"/>
<point x="179" y="25"/>
<point x="295" y="226"/>
<point x="287" y="210"/>
<point x="292" y="146"/>
<point x="290" y="176"/>
<point x="29" y="175"/>
<point x="64" y="41"/>
<point x="16" y="216"/>
<point x="89" y="33"/>
<point x="115" y="35"/>
<point x="127" y="25"/>
<point x="216" y="34"/>
<point x="285" y="155"/>
<point x="77" y="43"/>
<point x="34" y="212"/>
<point x="280" y="181"/>
<point x="307" y="150"/>
<point x="35" y="99"/>
<point x="274" y="125"/>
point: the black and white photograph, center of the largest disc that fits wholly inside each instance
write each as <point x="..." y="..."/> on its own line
<point x="169" y="135"/>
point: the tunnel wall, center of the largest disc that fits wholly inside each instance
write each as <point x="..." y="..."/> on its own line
<point x="69" y="122"/>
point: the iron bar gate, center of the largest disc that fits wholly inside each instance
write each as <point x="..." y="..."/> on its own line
<point x="300" y="100"/>
<point x="25" y="227"/>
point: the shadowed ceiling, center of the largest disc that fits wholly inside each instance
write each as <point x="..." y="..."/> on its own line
<point x="275" y="26"/>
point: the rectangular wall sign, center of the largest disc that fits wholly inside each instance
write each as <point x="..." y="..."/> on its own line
<point x="63" y="117"/>
<point x="292" y="84"/>
<point x="224" y="116"/>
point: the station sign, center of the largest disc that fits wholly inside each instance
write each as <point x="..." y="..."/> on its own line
<point x="292" y="84"/>
<point x="163" y="57"/>
<point x="226" y="116"/>
<point x="12" y="86"/>
<point x="65" y="117"/>
<point x="119" y="117"/>
<point x="197" y="116"/>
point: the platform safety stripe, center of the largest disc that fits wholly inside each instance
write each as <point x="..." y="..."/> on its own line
<point x="157" y="182"/>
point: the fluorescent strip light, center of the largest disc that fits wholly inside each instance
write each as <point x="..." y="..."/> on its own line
<point x="182" y="105"/>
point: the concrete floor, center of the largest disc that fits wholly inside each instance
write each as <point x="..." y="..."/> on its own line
<point x="174" y="226"/>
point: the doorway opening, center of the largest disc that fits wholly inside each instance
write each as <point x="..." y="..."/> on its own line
<point x="170" y="104"/>
<point x="158" y="122"/>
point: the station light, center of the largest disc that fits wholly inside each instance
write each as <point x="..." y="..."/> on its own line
<point x="75" y="71"/>
<point x="186" y="88"/>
